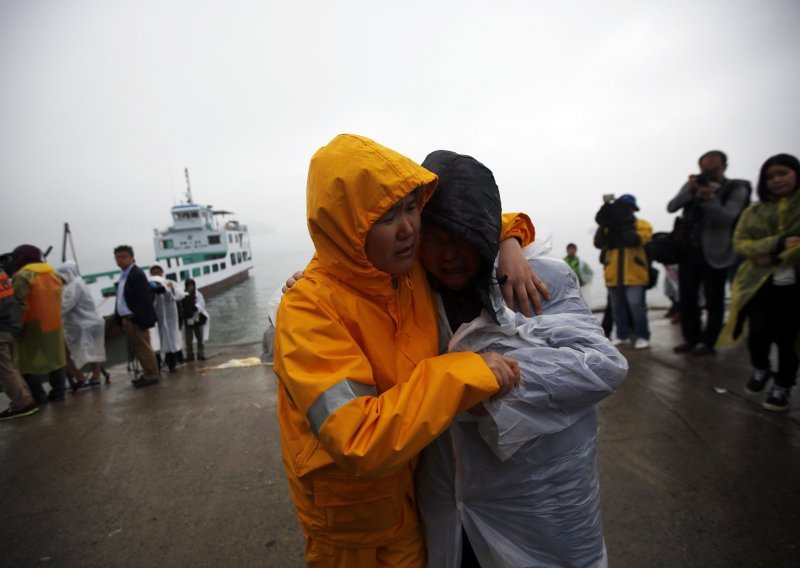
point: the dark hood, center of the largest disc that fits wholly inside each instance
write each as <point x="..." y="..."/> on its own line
<point x="467" y="204"/>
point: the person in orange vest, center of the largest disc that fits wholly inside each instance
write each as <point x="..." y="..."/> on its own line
<point x="12" y="383"/>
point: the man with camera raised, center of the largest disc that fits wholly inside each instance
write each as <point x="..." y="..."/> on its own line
<point x="711" y="205"/>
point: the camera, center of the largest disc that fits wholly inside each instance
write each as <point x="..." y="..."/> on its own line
<point x="704" y="178"/>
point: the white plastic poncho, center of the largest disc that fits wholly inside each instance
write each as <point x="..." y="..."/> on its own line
<point x="523" y="482"/>
<point x="84" y="328"/>
<point x="169" y="333"/>
<point x="200" y="306"/>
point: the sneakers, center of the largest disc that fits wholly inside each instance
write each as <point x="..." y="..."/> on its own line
<point x="10" y="413"/>
<point x="641" y="343"/>
<point x="619" y="341"/>
<point x="758" y="380"/>
<point x="778" y="399"/>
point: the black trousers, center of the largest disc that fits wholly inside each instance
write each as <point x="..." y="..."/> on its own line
<point x="774" y="317"/>
<point x="694" y="271"/>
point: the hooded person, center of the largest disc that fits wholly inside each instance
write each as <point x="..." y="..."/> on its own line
<point x="38" y="288"/>
<point x="766" y="286"/>
<point x="196" y="321"/>
<point x="514" y="481"/>
<point x="361" y="388"/>
<point x="84" y="328"/>
<point x="166" y="294"/>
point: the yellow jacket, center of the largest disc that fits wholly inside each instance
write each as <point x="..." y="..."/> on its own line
<point x="361" y="390"/>
<point x="628" y="266"/>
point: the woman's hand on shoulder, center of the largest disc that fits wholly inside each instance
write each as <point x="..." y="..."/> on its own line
<point x="505" y="369"/>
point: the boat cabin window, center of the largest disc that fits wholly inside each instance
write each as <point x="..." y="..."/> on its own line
<point x="239" y="256"/>
<point x="167" y="244"/>
<point x="213" y="240"/>
<point x="222" y="266"/>
<point x="184" y="274"/>
<point x="206" y="270"/>
<point x="230" y="238"/>
<point x="233" y="259"/>
<point x="195" y="272"/>
<point x="172" y="276"/>
<point x="215" y="268"/>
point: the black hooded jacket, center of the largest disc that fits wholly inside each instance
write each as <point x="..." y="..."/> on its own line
<point x="467" y="205"/>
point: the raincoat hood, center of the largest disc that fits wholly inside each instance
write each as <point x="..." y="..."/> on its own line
<point x="68" y="271"/>
<point x="467" y="205"/>
<point x="352" y="182"/>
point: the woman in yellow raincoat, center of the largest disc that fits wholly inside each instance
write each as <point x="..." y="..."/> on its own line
<point x="361" y="390"/>
<point x="42" y="351"/>
<point x="766" y="288"/>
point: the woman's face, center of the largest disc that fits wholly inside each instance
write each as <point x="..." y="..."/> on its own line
<point x="781" y="180"/>
<point x="451" y="260"/>
<point x="391" y="244"/>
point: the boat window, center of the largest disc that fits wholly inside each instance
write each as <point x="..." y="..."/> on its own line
<point x="184" y="274"/>
<point x="233" y="259"/>
<point x="213" y="239"/>
<point x="195" y="215"/>
<point x="196" y="271"/>
<point x="167" y="244"/>
<point x="215" y="267"/>
<point x="239" y="256"/>
<point x="172" y="276"/>
<point x="222" y="266"/>
<point x="206" y="270"/>
<point x="230" y="238"/>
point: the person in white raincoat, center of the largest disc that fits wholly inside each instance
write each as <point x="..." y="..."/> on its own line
<point x="84" y="328"/>
<point x="514" y="481"/>
<point x="166" y="294"/>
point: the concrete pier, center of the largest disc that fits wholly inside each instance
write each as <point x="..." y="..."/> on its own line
<point x="188" y="472"/>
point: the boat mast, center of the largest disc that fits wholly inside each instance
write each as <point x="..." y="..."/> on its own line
<point x="188" y="187"/>
<point x="68" y="236"/>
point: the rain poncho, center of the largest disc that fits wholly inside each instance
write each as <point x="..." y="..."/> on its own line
<point x="38" y="288"/>
<point x="361" y="388"/>
<point x="164" y="302"/>
<point x="84" y="328"/>
<point x="200" y="306"/>
<point x="523" y="481"/>
<point x="761" y="230"/>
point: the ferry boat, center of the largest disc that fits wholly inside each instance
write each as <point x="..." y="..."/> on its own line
<point x="209" y="246"/>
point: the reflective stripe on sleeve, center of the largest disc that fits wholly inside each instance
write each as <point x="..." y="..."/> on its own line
<point x="334" y="398"/>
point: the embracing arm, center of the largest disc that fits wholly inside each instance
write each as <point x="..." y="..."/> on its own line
<point x="331" y="383"/>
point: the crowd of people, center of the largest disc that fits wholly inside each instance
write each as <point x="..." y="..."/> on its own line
<point x="438" y="374"/>
<point x="50" y="328"/>
<point x="719" y="238"/>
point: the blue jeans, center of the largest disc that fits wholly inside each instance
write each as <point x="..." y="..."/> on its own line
<point x="633" y="296"/>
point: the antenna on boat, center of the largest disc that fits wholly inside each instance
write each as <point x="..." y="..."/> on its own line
<point x="68" y="236"/>
<point x="188" y="187"/>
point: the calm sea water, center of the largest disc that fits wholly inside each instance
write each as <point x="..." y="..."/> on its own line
<point x="238" y="315"/>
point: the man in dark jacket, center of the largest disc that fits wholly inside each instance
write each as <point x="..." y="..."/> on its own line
<point x="710" y="205"/>
<point x="135" y="312"/>
<point x="11" y="381"/>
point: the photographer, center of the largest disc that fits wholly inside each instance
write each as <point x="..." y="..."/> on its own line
<point x="710" y="205"/>
<point x="621" y="238"/>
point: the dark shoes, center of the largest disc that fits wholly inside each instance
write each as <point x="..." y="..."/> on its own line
<point x="141" y="382"/>
<point x="11" y="413"/>
<point x="704" y="350"/>
<point x="758" y="380"/>
<point x="189" y="358"/>
<point x="690" y="348"/>
<point x="53" y="396"/>
<point x="778" y="399"/>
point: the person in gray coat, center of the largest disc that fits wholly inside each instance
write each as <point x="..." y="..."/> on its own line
<point x="710" y="205"/>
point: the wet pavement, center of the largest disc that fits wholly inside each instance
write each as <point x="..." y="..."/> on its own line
<point x="188" y="472"/>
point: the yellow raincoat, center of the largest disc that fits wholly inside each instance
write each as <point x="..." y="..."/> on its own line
<point x="361" y="390"/>
<point x="760" y="230"/>
<point x="38" y="288"/>
<point x="629" y="268"/>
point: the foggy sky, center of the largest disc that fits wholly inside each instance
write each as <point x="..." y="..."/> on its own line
<point x="104" y="102"/>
